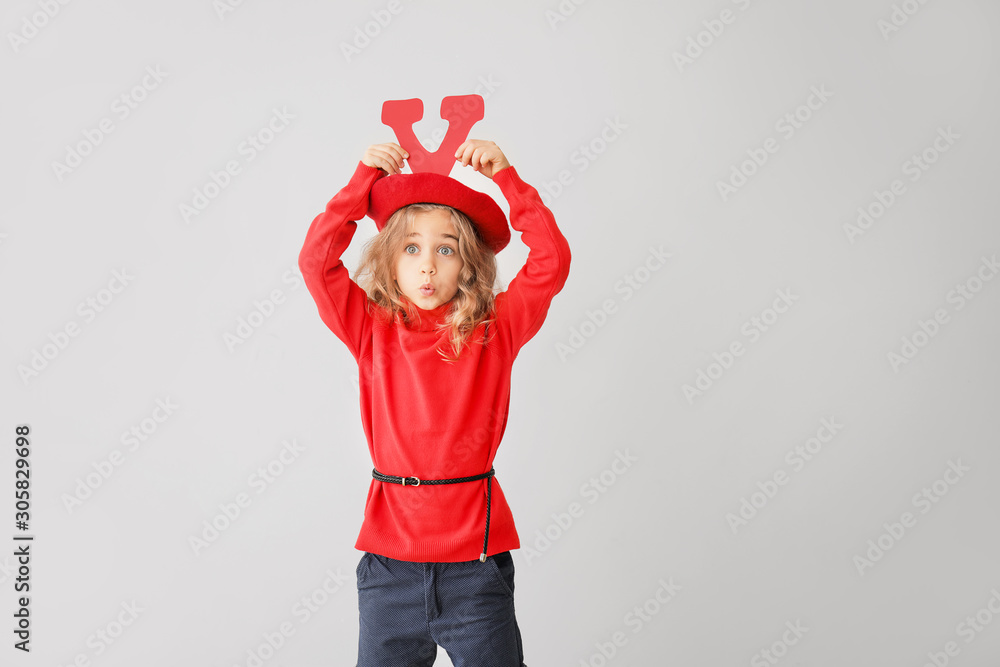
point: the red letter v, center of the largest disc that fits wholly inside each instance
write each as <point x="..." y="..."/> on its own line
<point x="461" y="112"/>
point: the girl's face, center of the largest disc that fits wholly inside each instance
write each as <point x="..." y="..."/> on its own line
<point x="429" y="257"/>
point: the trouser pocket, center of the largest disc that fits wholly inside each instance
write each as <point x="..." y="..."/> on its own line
<point x="362" y="568"/>
<point x="502" y="565"/>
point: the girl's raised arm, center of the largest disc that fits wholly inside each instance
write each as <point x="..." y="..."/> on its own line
<point x="526" y="302"/>
<point x="341" y="302"/>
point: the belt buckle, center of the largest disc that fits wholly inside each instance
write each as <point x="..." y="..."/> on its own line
<point x="411" y="477"/>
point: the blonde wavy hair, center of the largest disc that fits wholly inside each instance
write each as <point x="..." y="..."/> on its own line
<point x="472" y="305"/>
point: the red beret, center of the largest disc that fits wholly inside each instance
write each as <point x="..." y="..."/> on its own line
<point x="391" y="193"/>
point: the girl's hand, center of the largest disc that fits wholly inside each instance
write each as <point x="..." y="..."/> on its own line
<point x="387" y="157"/>
<point x="484" y="156"/>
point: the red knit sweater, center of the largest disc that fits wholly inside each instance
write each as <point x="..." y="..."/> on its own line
<point x="423" y="416"/>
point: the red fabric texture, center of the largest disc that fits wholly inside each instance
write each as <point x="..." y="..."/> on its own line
<point x="421" y="415"/>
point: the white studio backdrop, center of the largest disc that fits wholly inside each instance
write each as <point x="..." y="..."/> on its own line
<point x="759" y="425"/>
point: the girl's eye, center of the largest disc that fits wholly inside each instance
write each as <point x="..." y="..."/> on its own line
<point x="448" y="249"/>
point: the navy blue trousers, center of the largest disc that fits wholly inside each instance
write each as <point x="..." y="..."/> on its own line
<point x="409" y="609"/>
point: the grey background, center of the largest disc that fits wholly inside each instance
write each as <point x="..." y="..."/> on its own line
<point x="552" y="88"/>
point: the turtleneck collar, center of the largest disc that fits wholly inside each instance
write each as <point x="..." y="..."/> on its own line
<point x="428" y="318"/>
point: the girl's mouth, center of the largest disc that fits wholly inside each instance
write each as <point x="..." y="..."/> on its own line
<point x="427" y="291"/>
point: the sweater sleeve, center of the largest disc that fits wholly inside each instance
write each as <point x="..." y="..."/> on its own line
<point x="526" y="302"/>
<point x="341" y="302"/>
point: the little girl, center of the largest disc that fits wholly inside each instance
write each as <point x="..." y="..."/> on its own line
<point x="434" y="347"/>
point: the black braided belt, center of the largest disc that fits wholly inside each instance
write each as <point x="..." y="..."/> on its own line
<point x="416" y="481"/>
